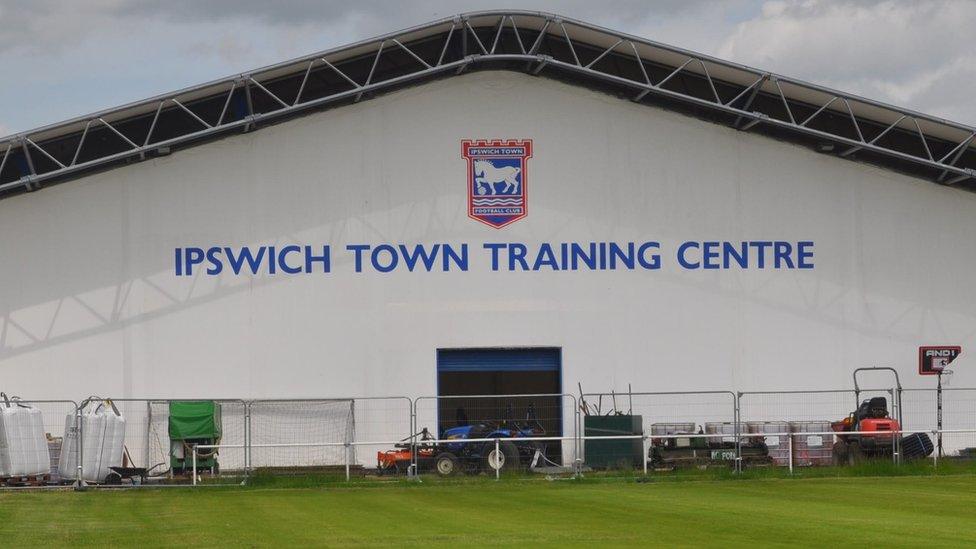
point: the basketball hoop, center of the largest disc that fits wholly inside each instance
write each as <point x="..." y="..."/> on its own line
<point x="933" y="360"/>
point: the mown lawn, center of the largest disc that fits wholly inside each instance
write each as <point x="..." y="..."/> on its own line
<point x="893" y="511"/>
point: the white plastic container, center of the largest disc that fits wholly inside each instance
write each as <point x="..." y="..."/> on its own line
<point x="23" y="446"/>
<point x="776" y="436"/>
<point x="103" y="433"/>
<point x="812" y="449"/>
<point x="720" y="428"/>
<point x="663" y="429"/>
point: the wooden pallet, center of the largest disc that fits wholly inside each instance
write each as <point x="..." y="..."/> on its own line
<point x="29" y="480"/>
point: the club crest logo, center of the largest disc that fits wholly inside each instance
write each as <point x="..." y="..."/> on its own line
<point x="497" y="180"/>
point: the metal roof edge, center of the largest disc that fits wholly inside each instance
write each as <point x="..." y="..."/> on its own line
<point x="545" y="25"/>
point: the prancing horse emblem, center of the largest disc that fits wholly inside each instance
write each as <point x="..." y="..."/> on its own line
<point x="497" y="179"/>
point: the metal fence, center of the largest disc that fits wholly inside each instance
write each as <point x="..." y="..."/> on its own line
<point x="958" y="421"/>
<point x="622" y="430"/>
<point x="133" y="441"/>
<point x="495" y="433"/>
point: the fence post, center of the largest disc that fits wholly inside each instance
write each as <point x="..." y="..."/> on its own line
<point x="79" y="455"/>
<point x="412" y="471"/>
<point x="498" y="467"/>
<point x="347" y="460"/>
<point x="149" y="418"/>
<point x="737" y="427"/>
<point x="896" y="440"/>
<point x="577" y="440"/>
<point x="644" y="452"/>
<point x="790" y="446"/>
<point x="247" y="438"/>
<point x="894" y="448"/>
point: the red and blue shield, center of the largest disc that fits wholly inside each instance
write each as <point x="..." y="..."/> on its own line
<point x="497" y="179"/>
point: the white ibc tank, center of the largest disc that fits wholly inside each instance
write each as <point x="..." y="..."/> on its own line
<point x="103" y="433"/>
<point x="778" y="443"/>
<point x="665" y="429"/>
<point x="23" y="446"/>
<point x="720" y="428"/>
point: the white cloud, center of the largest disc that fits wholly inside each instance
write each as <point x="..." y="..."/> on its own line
<point x="914" y="54"/>
<point x="74" y="57"/>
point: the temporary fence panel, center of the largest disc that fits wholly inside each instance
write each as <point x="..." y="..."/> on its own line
<point x="366" y="433"/>
<point x="170" y="454"/>
<point x="658" y="415"/>
<point x="828" y="405"/>
<point x="302" y="434"/>
<point x="463" y="423"/>
<point x="958" y="414"/>
<point x="145" y="448"/>
<point x="381" y="424"/>
<point x="810" y="445"/>
<point x="775" y="435"/>
<point x="801" y="412"/>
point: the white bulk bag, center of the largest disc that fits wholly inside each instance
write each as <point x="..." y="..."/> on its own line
<point x="103" y="433"/>
<point x="23" y="446"/>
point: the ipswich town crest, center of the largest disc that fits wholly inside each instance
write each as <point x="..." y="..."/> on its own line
<point x="497" y="179"/>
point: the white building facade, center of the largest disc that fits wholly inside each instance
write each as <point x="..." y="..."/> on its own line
<point x="846" y="264"/>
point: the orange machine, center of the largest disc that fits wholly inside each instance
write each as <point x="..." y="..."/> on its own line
<point x="872" y="432"/>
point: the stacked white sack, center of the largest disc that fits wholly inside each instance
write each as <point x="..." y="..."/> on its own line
<point x="23" y="446"/>
<point x="103" y="433"/>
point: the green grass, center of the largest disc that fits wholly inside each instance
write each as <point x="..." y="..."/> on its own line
<point x="926" y="510"/>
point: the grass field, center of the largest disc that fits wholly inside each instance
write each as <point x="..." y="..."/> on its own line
<point x="894" y="511"/>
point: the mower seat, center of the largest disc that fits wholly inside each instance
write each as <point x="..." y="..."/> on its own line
<point x="872" y="408"/>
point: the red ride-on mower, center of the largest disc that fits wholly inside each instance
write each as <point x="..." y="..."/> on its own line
<point x="874" y="435"/>
<point x="873" y="432"/>
<point x="877" y="438"/>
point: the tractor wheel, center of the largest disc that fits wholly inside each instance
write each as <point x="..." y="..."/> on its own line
<point x="839" y="453"/>
<point x="446" y="464"/>
<point x="505" y="459"/>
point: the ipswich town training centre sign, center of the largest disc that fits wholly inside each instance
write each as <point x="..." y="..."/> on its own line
<point x="497" y="183"/>
<point x="497" y="180"/>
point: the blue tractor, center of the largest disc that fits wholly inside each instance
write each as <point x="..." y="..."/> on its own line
<point x="516" y="447"/>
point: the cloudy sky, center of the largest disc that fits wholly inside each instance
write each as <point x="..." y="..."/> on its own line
<point x="64" y="58"/>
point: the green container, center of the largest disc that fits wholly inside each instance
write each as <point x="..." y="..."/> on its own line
<point x="193" y="422"/>
<point x="613" y="453"/>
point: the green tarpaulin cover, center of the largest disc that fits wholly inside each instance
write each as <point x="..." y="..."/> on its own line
<point x="194" y="419"/>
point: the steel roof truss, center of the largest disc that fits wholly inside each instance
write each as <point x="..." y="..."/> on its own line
<point x="6" y="154"/>
<point x="552" y="31"/>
